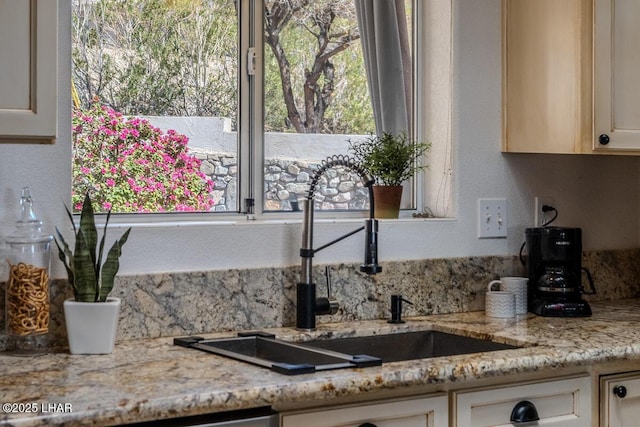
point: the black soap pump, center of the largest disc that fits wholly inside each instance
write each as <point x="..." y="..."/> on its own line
<point x="396" y="308"/>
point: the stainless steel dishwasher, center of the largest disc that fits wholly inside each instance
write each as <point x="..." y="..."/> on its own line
<point x="260" y="417"/>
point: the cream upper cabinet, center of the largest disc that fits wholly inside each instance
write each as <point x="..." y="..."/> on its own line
<point x="620" y="400"/>
<point x="547" y="76"/>
<point x="28" y="70"/>
<point x="571" y="76"/>
<point x="429" y="411"/>
<point x="617" y="75"/>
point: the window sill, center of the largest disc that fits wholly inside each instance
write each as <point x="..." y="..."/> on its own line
<point x="196" y="220"/>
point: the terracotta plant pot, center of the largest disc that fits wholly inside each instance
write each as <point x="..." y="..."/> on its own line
<point x="92" y="326"/>
<point x="386" y="200"/>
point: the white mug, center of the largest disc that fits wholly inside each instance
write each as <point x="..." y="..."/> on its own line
<point x="500" y="304"/>
<point x="519" y="287"/>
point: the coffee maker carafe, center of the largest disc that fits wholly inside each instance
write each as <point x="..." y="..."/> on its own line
<point x="555" y="271"/>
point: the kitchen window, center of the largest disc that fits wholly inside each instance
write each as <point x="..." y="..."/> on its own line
<point x="263" y="90"/>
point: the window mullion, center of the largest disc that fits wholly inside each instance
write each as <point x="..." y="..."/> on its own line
<point x="257" y="107"/>
<point x="250" y="123"/>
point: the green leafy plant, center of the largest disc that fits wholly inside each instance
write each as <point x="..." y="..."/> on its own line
<point x="390" y="159"/>
<point x="91" y="279"/>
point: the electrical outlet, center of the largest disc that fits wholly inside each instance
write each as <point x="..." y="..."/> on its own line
<point x="540" y="217"/>
<point x="492" y="218"/>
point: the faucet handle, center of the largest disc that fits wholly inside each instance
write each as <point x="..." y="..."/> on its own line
<point x="330" y="305"/>
<point x="334" y="305"/>
<point x="327" y="272"/>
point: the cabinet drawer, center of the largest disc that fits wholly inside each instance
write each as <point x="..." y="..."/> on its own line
<point x="423" y="412"/>
<point x="564" y="403"/>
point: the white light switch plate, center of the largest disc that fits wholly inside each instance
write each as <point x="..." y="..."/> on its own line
<point x="492" y="218"/>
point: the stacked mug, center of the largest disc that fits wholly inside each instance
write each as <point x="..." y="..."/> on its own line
<point x="506" y="297"/>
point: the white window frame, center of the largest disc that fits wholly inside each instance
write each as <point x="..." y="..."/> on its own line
<point x="251" y="138"/>
<point x="201" y="241"/>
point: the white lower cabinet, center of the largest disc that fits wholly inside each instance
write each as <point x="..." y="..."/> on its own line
<point x="620" y="400"/>
<point x="431" y="411"/>
<point x="562" y="403"/>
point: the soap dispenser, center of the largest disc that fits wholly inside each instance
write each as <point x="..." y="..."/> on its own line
<point x="27" y="287"/>
<point x="396" y="308"/>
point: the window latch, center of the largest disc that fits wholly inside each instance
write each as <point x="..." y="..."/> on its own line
<point x="251" y="61"/>
<point x="249" y="204"/>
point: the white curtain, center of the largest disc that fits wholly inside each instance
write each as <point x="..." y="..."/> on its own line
<point x="387" y="55"/>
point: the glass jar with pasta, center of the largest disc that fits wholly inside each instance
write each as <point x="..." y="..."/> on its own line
<point x="27" y="287"/>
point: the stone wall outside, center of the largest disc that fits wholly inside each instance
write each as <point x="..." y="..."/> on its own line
<point x="285" y="181"/>
<point x="291" y="159"/>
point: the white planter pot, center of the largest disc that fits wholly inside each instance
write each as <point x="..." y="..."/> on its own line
<point x="92" y="326"/>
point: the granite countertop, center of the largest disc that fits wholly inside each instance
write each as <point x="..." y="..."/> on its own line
<point x="152" y="379"/>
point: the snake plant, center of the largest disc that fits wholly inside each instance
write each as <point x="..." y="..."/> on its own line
<point x="91" y="279"/>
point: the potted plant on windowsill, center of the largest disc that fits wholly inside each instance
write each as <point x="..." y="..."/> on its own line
<point x="391" y="160"/>
<point x="92" y="316"/>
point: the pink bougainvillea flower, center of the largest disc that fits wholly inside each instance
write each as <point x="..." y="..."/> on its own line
<point x="129" y="165"/>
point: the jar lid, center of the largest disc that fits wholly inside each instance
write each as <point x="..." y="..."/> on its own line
<point x="28" y="227"/>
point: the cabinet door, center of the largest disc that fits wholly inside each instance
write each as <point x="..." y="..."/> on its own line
<point x="28" y="69"/>
<point x="561" y="403"/>
<point x="547" y="76"/>
<point x="620" y="400"/>
<point x="617" y="75"/>
<point x="422" y="412"/>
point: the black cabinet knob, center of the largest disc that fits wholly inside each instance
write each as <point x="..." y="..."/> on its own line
<point x="524" y="412"/>
<point x="620" y="391"/>
<point x="367" y="425"/>
<point x="603" y="139"/>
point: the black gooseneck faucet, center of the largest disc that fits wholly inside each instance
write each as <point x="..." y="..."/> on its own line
<point x="308" y="306"/>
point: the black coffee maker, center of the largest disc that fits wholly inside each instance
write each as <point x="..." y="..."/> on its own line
<point x="555" y="272"/>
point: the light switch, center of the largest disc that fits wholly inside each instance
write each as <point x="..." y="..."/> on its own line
<point x="492" y="218"/>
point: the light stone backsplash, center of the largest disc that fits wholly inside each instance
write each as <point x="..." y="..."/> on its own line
<point x="174" y="304"/>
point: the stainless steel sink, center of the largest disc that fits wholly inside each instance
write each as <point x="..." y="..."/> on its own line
<point x="290" y="358"/>
<point x="284" y="357"/>
<point x="409" y="345"/>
